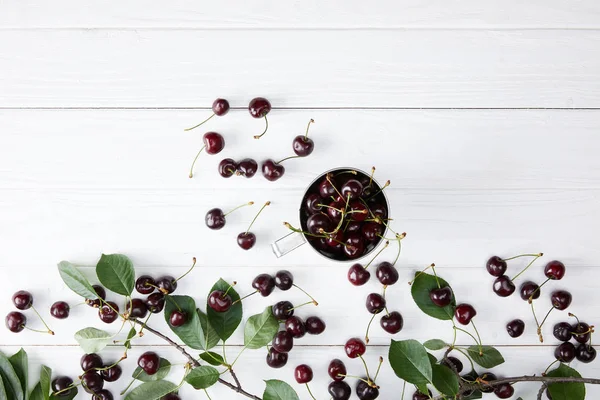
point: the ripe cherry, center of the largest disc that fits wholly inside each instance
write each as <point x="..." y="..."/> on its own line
<point x="92" y="382"/>
<point x="496" y="266"/>
<point x="364" y="391"/>
<point x="60" y="310"/>
<point x="339" y="390"/>
<point x="149" y="362"/>
<point x="355" y="347"/>
<point x="101" y="294"/>
<point x="387" y="273"/>
<point x="166" y="284"/>
<point x="375" y="303"/>
<point x="213" y="143"/>
<point x="22" y="299"/>
<point x="284" y="280"/>
<point x="530" y="290"/>
<point x="90" y="361"/>
<point x="15" y="321"/>
<point x="441" y="297"/>
<point x="177" y="318"/>
<point x="264" y="283"/>
<point x="315" y="325"/>
<point x="303" y="374"/>
<point x="62" y="383"/>
<point x="585" y="353"/>
<point x="311" y="203"/>
<point x="488" y="377"/>
<point x="220" y="107"/>
<point x="326" y="186"/>
<point x="565" y="352"/>
<point x="282" y="310"/>
<point x="246" y="240"/>
<point x="337" y="369"/>
<point x="137" y="308"/>
<point x="259" y="107"/>
<point x="111" y="374"/>
<point x="515" y="328"/>
<point x="302" y="144"/>
<point x="145" y="284"/>
<point x="354" y="246"/>
<point x="420" y="396"/>
<point x="503" y="286"/>
<point x="109" y="312"/>
<point x="392" y="323"/>
<point x="283" y="342"/>
<point x="227" y="167"/>
<point x="464" y="313"/>
<point x="358" y="275"/>
<point x="247" y="167"/>
<point x="295" y="326"/>
<point x="219" y="301"/>
<point x="554" y="270"/>
<point x="155" y="302"/>
<point x="504" y="391"/>
<point x="215" y="219"/>
<point x="562" y="331"/>
<point x="371" y="231"/>
<point x="581" y="332"/>
<point x="276" y="359"/>
<point x="352" y="189"/>
<point x="561" y="299"/>
<point x="359" y="212"/>
<point x="453" y="361"/>
<point x="102" y="395"/>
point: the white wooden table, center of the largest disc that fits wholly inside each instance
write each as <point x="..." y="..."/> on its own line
<point x="484" y="115"/>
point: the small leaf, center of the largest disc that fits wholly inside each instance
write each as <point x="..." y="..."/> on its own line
<point x="2" y="390"/>
<point x="435" y="344"/>
<point x="410" y="361"/>
<point x="566" y="391"/>
<point x="75" y="280"/>
<point x="116" y="273"/>
<point x="279" y="390"/>
<point x="92" y="340"/>
<point x="163" y="371"/>
<point x="151" y="390"/>
<point x="12" y="385"/>
<point x="45" y="380"/>
<point x="212" y="358"/>
<point x="444" y="380"/>
<point x="210" y="335"/>
<point x="191" y="332"/>
<point x="225" y="323"/>
<point x="420" y="289"/>
<point x="130" y="335"/>
<point x="490" y="357"/>
<point x="202" y="377"/>
<point x="260" y="329"/>
<point x="20" y="364"/>
<point x="36" y="393"/>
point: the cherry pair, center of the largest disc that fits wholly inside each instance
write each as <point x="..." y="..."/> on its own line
<point x="23" y="300"/>
<point x="228" y="167"/>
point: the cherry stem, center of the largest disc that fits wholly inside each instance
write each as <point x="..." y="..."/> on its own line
<point x="195" y="126"/>
<point x="71" y="386"/>
<point x="173" y="301"/>
<point x="478" y="337"/>
<point x="316" y="303"/>
<point x="309" y="392"/>
<point x="334" y="188"/>
<point x="287" y="158"/>
<point x="387" y="243"/>
<point x="537" y="323"/>
<point x="546" y="317"/>
<point x="131" y="383"/>
<point x="110" y="366"/>
<point x="188" y="271"/>
<point x="523" y="255"/>
<point x="437" y="280"/>
<point x="256" y="216"/>
<point x="350" y="171"/>
<point x="207" y="395"/>
<point x="266" y="128"/>
<point x="312" y="121"/>
<point x="194" y="162"/>
<point x="421" y="272"/>
<point x="36" y="330"/>
<point x="468" y="357"/>
<point x="574" y="316"/>
<point x="399" y="239"/>
<point x="50" y="331"/>
<point x="238" y="207"/>
<point x="290" y="227"/>
<point x="453" y="340"/>
<point x="470" y="334"/>
<point x="245" y="297"/>
<point x="368" y="328"/>
<point x="366" y="369"/>
<point x="537" y="290"/>
<point x="301" y="305"/>
<point x="528" y="265"/>
<point x="140" y="333"/>
<point x="371" y="177"/>
<point x="403" y="388"/>
<point x="378" y="368"/>
<point x="550" y="366"/>
<point x="387" y="183"/>
<point x="229" y="288"/>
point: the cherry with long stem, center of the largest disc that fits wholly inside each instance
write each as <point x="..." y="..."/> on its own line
<point x="421" y="272"/>
<point x="387" y="243"/>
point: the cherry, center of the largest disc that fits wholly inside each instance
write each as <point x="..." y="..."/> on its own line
<point x="366" y="392"/>
<point x="581" y="332"/>
<point x="62" y="383"/>
<point x="15" y="321"/>
<point x="276" y="359"/>
<point x="177" y="318"/>
<point x="282" y="310"/>
<point x="101" y="294"/>
<point x="302" y="144"/>
<point x="259" y="107"/>
<point x="60" y="310"/>
<point x="155" y="302"/>
<point x="562" y="331"/>
<point x="337" y="369"/>
<point x="109" y="312"/>
<point x="219" y="301"/>
<point x="530" y="290"/>
<point x="326" y="187"/>
<point x="358" y="275"/>
<point x="496" y="266"/>
<point x="213" y="143"/>
<point x="351" y="189"/>
<point x="303" y="374"/>
<point x="111" y="374"/>
<point x="339" y="390"/>
<point x="441" y="297"/>
<point x="554" y="270"/>
<point x="311" y="203"/>
<point x="272" y="170"/>
<point x="354" y="246"/>
<point x="247" y="167"/>
<point x="488" y="377"/>
<point x="228" y="167"/>
<point x="215" y="219"/>
<point x="561" y="299"/>
<point x="315" y="325"/>
<point x="371" y="231"/>
<point x="360" y="211"/>
<point x="464" y="313"/>
<point x="22" y="299"/>
<point x="283" y="342"/>
<point x="246" y="240"/>
<point x="565" y="352"/>
<point x="149" y="362"/>
<point x="504" y="391"/>
<point x="585" y="353"/>
<point x="420" y="396"/>
<point x="295" y="326"/>
<point x="92" y="382"/>
<point x="334" y="210"/>
<point x="264" y="283"/>
<point x="375" y="303"/>
<point x="387" y="273"/>
<point x="145" y="284"/>
<point x="103" y="395"/>
<point x="379" y="210"/>
<point x="355" y="347"/>
<point x="284" y="280"/>
<point x="317" y="222"/>
<point x="392" y="322"/>
<point x="503" y="286"/>
<point x="220" y="107"/>
<point x="167" y="284"/>
<point x="453" y="361"/>
<point x="334" y="239"/>
<point x="90" y="361"/>
<point x="137" y="308"/>
<point x="515" y="328"/>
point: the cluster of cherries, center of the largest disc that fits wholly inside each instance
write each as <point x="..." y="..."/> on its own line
<point x="215" y="220"/>
<point x="16" y="321"/>
<point x="581" y="332"/>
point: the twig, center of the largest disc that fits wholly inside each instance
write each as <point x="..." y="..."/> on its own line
<point x="541" y="392"/>
<point x="235" y="378"/>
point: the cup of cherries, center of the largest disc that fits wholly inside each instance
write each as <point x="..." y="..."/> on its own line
<point x="343" y="216"/>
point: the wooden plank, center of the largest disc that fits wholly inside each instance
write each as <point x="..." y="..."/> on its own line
<point x="172" y="68"/>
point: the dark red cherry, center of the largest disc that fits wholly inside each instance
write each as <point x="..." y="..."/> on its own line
<point x="101" y="294"/>
<point x="366" y="392"/>
<point x="352" y="188"/>
<point x="108" y="313"/>
<point x="259" y="107"/>
<point x="339" y="390"/>
<point x="62" y="383"/>
<point x="315" y="325"/>
<point x="581" y="332"/>
<point x="317" y="222"/>
<point x="220" y="107"/>
<point x="246" y="240"/>
<point x="464" y="313"/>
<point x="392" y="323"/>
<point x="337" y="369"/>
<point x="326" y="188"/>
<point x="149" y="362"/>
<point x="375" y="303"/>
<point x="530" y="290"/>
<point x="167" y="284"/>
<point x="441" y="297"/>
<point x="565" y="352"/>
<point x="561" y="299"/>
<point x="354" y="246"/>
<point x="562" y="331"/>
<point x="453" y="362"/>
<point x="214" y="142"/>
<point x="60" y="310"/>
<point x="515" y="328"/>
<point x="92" y="382"/>
<point x="137" y="308"/>
<point x="358" y="275"/>
<point x="585" y="353"/>
<point x="379" y="210"/>
<point x="111" y="374"/>
<point x="303" y="374"/>
<point x="22" y="299"/>
<point x="333" y="240"/>
<point x="311" y="203"/>
<point x="276" y="359"/>
<point x="145" y="284"/>
<point x="334" y="210"/>
<point x="295" y="326"/>
<point x="219" y="301"/>
<point x="264" y="283"/>
<point x="284" y="280"/>
<point x="155" y="302"/>
<point x="177" y="318"/>
<point x="15" y="321"/>
<point x="504" y="391"/>
<point x="90" y="361"/>
<point x="555" y="270"/>
<point x="371" y="231"/>
<point x="496" y="266"/>
<point x="282" y="310"/>
<point x="355" y="347"/>
<point x="271" y="170"/>
<point x="359" y="211"/>
<point x="283" y="342"/>
<point x="247" y="167"/>
<point x="215" y="219"/>
<point x="102" y="395"/>
<point x="303" y="146"/>
<point x="488" y="377"/>
<point x="420" y="396"/>
<point x="387" y="273"/>
<point x="503" y="286"/>
<point x="227" y="167"/>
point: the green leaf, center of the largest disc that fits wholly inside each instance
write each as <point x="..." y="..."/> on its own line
<point x="163" y="371"/>
<point x="12" y="385"/>
<point x="212" y="358"/>
<point x="92" y="340"/>
<point x="191" y="332"/>
<point x="130" y="335"/>
<point x="211" y="337"/>
<point x="45" y="380"/>
<point x="435" y="344"/>
<point x="490" y="358"/>
<point x="260" y="329"/>
<point x="422" y="285"/>
<point x="566" y="391"/>
<point x="444" y="380"/>
<point x="20" y="364"/>
<point x="202" y="377"/>
<point x="36" y="393"/>
<point x="75" y="280"/>
<point x="410" y="361"/>
<point x="2" y="390"/>
<point x="151" y="390"/>
<point x="116" y="273"/>
<point x="225" y="323"/>
<point x="279" y="390"/>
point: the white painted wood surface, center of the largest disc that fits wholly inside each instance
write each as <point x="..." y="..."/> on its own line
<point x="485" y="116"/>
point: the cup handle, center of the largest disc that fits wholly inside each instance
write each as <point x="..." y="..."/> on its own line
<point x="288" y="243"/>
